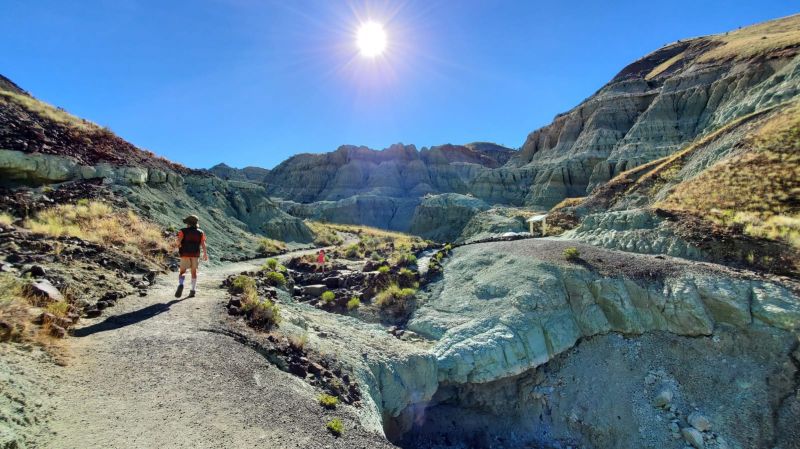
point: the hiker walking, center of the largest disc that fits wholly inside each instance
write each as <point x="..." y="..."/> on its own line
<point x="321" y="260"/>
<point x="190" y="240"/>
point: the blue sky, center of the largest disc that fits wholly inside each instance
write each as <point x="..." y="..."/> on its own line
<point x="252" y="82"/>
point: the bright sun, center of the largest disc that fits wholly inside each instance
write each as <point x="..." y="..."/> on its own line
<point x="371" y="39"/>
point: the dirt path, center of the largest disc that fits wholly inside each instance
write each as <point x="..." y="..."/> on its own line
<point x="151" y="374"/>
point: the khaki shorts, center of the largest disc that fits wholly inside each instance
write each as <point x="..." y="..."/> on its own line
<point x="190" y="263"/>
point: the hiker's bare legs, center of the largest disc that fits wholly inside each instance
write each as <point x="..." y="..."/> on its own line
<point x="194" y="280"/>
<point x="181" y="278"/>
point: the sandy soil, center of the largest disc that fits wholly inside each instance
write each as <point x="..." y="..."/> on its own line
<point x="154" y="373"/>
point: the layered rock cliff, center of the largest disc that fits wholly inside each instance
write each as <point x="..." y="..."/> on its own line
<point x="653" y="108"/>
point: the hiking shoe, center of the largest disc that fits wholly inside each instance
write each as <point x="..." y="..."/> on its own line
<point x="179" y="291"/>
<point x="191" y="294"/>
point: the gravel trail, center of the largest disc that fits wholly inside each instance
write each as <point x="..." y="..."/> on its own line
<point x="152" y="373"/>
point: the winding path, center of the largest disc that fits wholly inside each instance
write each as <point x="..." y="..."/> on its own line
<point x="151" y="373"/>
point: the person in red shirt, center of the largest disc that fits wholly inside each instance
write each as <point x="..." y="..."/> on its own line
<point x="321" y="259"/>
<point x="190" y="240"/>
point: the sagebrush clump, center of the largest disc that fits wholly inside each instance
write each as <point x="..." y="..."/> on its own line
<point x="335" y="426"/>
<point x="353" y="303"/>
<point x="394" y="299"/>
<point x="328" y="401"/>
<point x="571" y="253"/>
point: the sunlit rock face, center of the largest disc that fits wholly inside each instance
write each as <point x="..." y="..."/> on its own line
<point x="651" y="109"/>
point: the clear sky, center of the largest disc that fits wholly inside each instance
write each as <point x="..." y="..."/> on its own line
<point x="251" y="82"/>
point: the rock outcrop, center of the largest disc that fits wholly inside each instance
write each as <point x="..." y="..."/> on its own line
<point x="443" y="217"/>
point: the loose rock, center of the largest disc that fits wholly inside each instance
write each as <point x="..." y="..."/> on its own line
<point x="693" y="437"/>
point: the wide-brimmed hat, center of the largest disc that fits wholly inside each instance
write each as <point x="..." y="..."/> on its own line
<point x="191" y="220"/>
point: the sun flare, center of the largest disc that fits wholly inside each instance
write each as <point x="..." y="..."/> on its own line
<point x="371" y="39"/>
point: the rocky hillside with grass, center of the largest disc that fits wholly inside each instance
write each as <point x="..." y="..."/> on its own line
<point x="43" y="147"/>
<point x="730" y="196"/>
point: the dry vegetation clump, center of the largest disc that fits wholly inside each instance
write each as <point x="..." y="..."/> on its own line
<point x="98" y="222"/>
<point x="395" y="300"/>
<point x="757" y="191"/>
<point x="17" y="309"/>
<point x="757" y="40"/>
<point x="270" y="247"/>
<point x="14" y="316"/>
<point x="260" y="312"/>
<point x="6" y="219"/>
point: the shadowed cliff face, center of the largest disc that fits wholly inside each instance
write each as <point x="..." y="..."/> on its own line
<point x="400" y="171"/>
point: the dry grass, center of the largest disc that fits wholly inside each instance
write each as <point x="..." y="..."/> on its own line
<point x="98" y="222"/>
<point x="324" y="234"/>
<point x="567" y="202"/>
<point x="15" y="317"/>
<point x="271" y="247"/>
<point x="757" y="190"/>
<point x="47" y="111"/>
<point x="6" y="219"/>
<point x="756" y="40"/>
<point x="659" y="69"/>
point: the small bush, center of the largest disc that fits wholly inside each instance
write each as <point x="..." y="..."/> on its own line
<point x="353" y="251"/>
<point x="276" y="279"/>
<point x="328" y="401"/>
<point x="394" y="298"/>
<point x="335" y="427"/>
<point x="571" y="253"/>
<point x="353" y="303"/>
<point x="448" y="247"/>
<point x="271" y="264"/>
<point x="243" y="283"/>
<point x="328" y="297"/>
<point x="298" y="341"/>
<point x="262" y="313"/>
<point x="406" y="259"/>
<point x="383" y="269"/>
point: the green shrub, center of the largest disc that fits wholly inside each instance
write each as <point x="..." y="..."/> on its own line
<point x="276" y="279"/>
<point x="394" y="298"/>
<point x="328" y="401"/>
<point x="448" y="247"/>
<point x="383" y="269"/>
<point x="571" y="253"/>
<point x="271" y="264"/>
<point x="353" y="303"/>
<point x="406" y="259"/>
<point x="243" y="283"/>
<point x="335" y="427"/>
<point x="328" y="297"/>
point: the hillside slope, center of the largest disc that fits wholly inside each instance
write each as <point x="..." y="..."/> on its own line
<point x="41" y="145"/>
